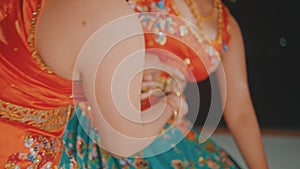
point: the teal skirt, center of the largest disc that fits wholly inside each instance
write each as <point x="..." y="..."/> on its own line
<point x="81" y="151"/>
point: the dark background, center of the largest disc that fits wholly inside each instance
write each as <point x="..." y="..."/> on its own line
<point x="271" y="35"/>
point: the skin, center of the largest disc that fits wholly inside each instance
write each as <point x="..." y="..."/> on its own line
<point x="61" y="20"/>
<point x="239" y="112"/>
<point x="58" y="24"/>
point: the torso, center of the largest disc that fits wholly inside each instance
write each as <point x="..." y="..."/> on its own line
<point x="173" y="28"/>
<point x="36" y="98"/>
<point x="30" y="87"/>
<point x="77" y="18"/>
<point x="67" y="25"/>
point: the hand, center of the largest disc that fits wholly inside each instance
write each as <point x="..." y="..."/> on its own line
<point x="162" y="77"/>
<point x="179" y="104"/>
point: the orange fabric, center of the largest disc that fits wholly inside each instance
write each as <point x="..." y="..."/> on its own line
<point x="177" y="48"/>
<point x="24" y="83"/>
<point x="201" y="65"/>
<point x="12" y="141"/>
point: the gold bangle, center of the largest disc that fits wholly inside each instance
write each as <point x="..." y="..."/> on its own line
<point x="172" y="120"/>
<point x="178" y="94"/>
<point x="175" y="112"/>
<point x="175" y="115"/>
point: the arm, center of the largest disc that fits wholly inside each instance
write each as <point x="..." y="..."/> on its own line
<point x="67" y="27"/>
<point x="120" y="135"/>
<point x="239" y="112"/>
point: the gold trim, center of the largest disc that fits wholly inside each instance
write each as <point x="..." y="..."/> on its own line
<point x="32" y="42"/>
<point x="48" y="120"/>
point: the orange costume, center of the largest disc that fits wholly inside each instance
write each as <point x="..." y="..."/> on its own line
<point x="170" y="32"/>
<point x="35" y="104"/>
<point x="179" y="43"/>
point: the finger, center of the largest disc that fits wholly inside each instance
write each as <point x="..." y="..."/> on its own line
<point x="151" y="84"/>
<point x="146" y="94"/>
<point x="148" y="74"/>
<point x="179" y="104"/>
<point x="184" y="107"/>
<point x="152" y="92"/>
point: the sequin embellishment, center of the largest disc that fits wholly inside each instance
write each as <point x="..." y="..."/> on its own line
<point x="48" y="120"/>
<point x="42" y="153"/>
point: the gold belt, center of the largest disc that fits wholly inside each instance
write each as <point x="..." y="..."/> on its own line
<point x="49" y="120"/>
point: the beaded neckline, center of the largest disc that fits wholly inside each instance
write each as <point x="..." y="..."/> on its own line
<point x="218" y="7"/>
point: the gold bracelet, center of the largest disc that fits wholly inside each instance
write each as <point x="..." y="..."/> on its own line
<point x="175" y="111"/>
<point x="175" y="115"/>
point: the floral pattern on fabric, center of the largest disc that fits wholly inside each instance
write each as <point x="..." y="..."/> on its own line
<point x="82" y="152"/>
<point x="42" y="153"/>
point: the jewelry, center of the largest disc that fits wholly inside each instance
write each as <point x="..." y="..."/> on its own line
<point x="173" y="120"/>
<point x="175" y="115"/>
<point x="217" y="8"/>
<point x="175" y="112"/>
<point x="193" y="8"/>
<point x="89" y="108"/>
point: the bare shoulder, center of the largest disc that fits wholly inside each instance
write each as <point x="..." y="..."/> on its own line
<point x="64" y="27"/>
<point x="234" y="31"/>
<point x="236" y="48"/>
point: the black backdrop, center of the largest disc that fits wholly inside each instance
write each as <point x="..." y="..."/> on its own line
<point x="271" y="34"/>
